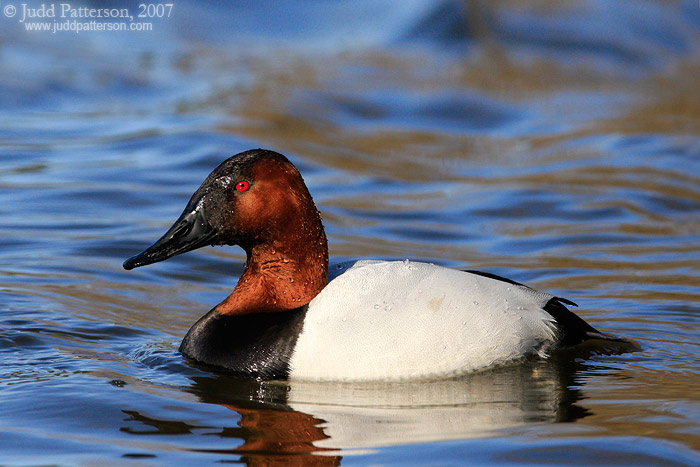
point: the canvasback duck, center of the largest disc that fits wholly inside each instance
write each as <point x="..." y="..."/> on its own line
<point x="375" y="320"/>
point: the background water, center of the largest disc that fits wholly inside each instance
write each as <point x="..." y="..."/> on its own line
<point x="555" y="143"/>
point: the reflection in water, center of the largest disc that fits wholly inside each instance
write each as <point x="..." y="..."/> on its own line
<point x="155" y="426"/>
<point x="273" y="432"/>
<point x="304" y="423"/>
<point x="272" y="435"/>
<point x="383" y="414"/>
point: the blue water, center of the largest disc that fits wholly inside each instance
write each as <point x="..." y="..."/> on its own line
<point x="555" y="144"/>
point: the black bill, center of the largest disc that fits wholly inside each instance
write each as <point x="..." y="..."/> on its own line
<point x="189" y="232"/>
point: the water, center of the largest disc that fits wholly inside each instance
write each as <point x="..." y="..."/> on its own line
<point x="555" y="144"/>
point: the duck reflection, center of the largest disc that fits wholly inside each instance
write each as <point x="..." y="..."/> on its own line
<point x="316" y="423"/>
<point x="360" y="416"/>
<point x="273" y="433"/>
<point x="311" y="423"/>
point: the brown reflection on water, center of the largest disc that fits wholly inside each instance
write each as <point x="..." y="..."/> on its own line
<point x="281" y="438"/>
<point x="272" y="432"/>
<point x="646" y="403"/>
<point x="270" y="436"/>
<point x="671" y="107"/>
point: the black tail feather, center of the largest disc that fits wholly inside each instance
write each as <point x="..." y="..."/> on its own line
<point x="573" y="329"/>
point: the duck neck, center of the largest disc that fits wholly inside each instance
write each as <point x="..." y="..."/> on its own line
<point x="281" y="275"/>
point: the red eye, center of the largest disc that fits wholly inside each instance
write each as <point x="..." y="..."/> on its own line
<point x="242" y="185"/>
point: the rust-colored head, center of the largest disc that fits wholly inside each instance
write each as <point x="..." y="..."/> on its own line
<point x="256" y="199"/>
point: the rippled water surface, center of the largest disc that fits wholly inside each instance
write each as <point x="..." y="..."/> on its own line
<point x="555" y="143"/>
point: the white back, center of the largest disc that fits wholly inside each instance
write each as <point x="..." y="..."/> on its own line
<point x="388" y="320"/>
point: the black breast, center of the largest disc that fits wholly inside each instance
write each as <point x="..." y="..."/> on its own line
<point x="258" y="345"/>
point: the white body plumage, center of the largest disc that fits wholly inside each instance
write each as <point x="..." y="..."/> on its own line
<point x="389" y="320"/>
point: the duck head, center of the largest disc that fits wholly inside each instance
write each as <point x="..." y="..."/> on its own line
<point x="258" y="200"/>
